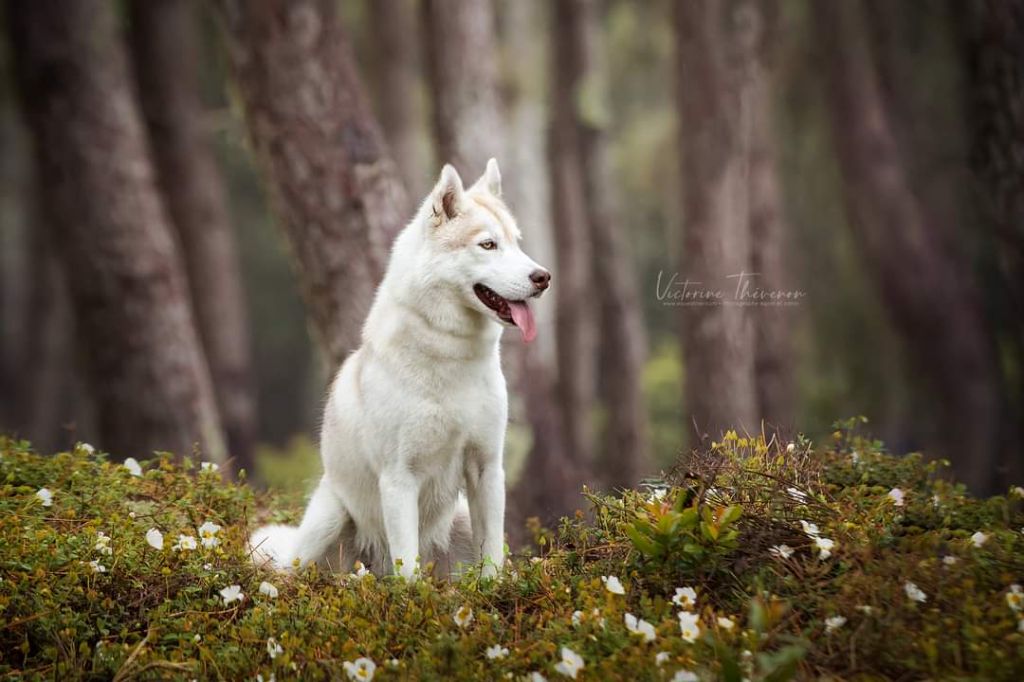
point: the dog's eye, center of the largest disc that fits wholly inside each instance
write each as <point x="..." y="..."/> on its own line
<point x="488" y="245"/>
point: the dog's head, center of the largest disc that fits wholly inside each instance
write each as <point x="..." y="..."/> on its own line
<point x="476" y="243"/>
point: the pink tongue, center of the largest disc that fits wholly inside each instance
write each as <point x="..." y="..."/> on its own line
<point x="523" y="317"/>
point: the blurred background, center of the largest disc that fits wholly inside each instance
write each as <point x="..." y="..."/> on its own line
<point x="759" y="214"/>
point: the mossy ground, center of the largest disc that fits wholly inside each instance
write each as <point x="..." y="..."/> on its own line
<point x="718" y="528"/>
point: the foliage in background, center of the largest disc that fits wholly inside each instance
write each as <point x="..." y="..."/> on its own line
<point x="839" y="560"/>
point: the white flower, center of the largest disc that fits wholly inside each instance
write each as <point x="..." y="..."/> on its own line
<point x="726" y="623"/>
<point x="865" y="609"/>
<point x="949" y="560"/>
<point x="577" y="617"/>
<point x="855" y="457"/>
<point x="361" y="669"/>
<point x="45" y="496"/>
<point x="1017" y="490"/>
<point x="685" y="676"/>
<point x="133" y="466"/>
<point x="155" y="538"/>
<point x="1015" y="598"/>
<point x="232" y="593"/>
<point x="896" y="495"/>
<point x="268" y="589"/>
<point x="86" y="448"/>
<point x="103" y="543"/>
<point x="612" y="584"/>
<point x="394" y="662"/>
<point x="979" y="539"/>
<point x="834" y="623"/>
<point x="259" y="678"/>
<point x="810" y="528"/>
<point x="657" y="494"/>
<point x="360" y="571"/>
<point x="689" y="625"/>
<point x="184" y="543"/>
<point x="596" y="613"/>
<point x="661" y="657"/>
<point x="797" y="494"/>
<point x="639" y="626"/>
<point x="686" y="597"/>
<point x="825" y="546"/>
<point x="97" y="567"/>
<point x="208" y="534"/>
<point x="273" y="648"/>
<point x="463" y="616"/>
<point x="781" y="551"/>
<point x="537" y="677"/>
<point x="496" y="651"/>
<point x="791" y="447"/>
<point x="198" y="638"/>
<point x="914" y="592"/>
<point x="570" y="664"/>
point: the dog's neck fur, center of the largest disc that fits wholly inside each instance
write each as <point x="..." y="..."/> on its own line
<point x="433" y="320"/>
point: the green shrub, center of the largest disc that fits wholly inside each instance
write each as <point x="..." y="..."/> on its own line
<point x="805" y="563"/>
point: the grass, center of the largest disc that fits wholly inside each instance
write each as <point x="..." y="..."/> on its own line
<point x="717" y="524"/>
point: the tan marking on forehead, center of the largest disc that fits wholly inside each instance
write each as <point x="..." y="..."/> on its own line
<point x="459" y="234"/>
<point x="508" y="227"/>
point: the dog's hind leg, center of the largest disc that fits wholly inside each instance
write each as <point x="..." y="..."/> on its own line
<point x="316" y="539"/>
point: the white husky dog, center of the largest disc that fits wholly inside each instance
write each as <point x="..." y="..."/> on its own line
<point x="414" y="424"/>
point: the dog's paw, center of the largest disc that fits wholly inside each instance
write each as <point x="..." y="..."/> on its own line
<point x="273" y="547"/>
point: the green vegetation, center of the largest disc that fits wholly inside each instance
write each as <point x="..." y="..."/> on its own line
<point x="837" y="561"/>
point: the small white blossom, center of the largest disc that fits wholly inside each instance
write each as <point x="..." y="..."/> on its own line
<point x="797" y="494"/>
<point x="259" y="678"/>
<point x="570" y="664"/>
<point x="865" y="609"/>
<point x="577" y="618"/>
<point x="791" y="448"/>
<point x="726" y="624"/>
<point x="661" y="657"/>
<point x="657" y="494"/>
<point x="273" y="648"/>
<point x="612" y="584"/>
<point x="45" y="496"/>
<point x="86" y="448"/>
<point x="810" y="528"/>
<point x="685" y="597"/>
<point x="834" y="623"/>
<point x="394" y="662"/>
<point x="131" y="515"/>
<point x="979" y="539"/>
<point x="855" y="457"/>
<point x="496" y="651"/>
<point x="639" y="626"/>
<point x="914" y="592"/>
<point x="1015" y="598"/>
<point x="689" y="625"/>
<point x="133" y="466"/>
<point x="103" y="543"/>
<point x="155" y="538"/>
<point x="360" y="570"/>
<point x="825" y="547"/>
<point x="209" y="466"/>
<point x="268" y="589"/>
<point x="197" y="638"/>
<point x="360" y="670"/>
<point x="97" y="567"/>
<point x="781" y="551"/>
<point x="537" y="677"/>
<point x="184" y="543"/>
<point x="1017" y="490"/>
<point x="232" y="593"/>
<point x="685" y="676"/>
<point x="208" y="534"/>
<point x="896" y="495"/>
<point x="949" y="560"/>
<point x="463" y="616"/>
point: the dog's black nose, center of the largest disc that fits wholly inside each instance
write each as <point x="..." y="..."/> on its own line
<point x="541" y="279"/>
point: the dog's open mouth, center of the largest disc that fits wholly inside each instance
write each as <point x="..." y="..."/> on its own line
<point x="512" y="312"/>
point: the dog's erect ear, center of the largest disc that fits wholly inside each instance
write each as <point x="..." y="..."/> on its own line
<point x="491" y="179"/>
<point x="446" y="198"/>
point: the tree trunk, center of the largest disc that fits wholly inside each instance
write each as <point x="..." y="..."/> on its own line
<point x="718" y="338"/>
<point x="336" y="190"/>
<point x="462" y="65"/>
<point x="395" y="66"/>
<point x="929" y="292"/>
<point x="165" y="54"/>
<point x="769" y="249"/>
<point x="621" y="339"/>
<point x="128" y="287"/>
<point x="575" y="326"/>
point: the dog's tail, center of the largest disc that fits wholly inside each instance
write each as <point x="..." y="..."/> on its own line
<point x="274" y="546"/>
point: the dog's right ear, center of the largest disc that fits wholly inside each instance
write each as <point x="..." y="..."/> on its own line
<point x="446" y="198"/>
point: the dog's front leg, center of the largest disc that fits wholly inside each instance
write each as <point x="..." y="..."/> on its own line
<point x="399" y="493"/>
<point x="486" y="493"/>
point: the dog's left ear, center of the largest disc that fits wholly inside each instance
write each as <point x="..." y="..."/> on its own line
<point x="491" y="179"/>
<point x="446" y="198"/>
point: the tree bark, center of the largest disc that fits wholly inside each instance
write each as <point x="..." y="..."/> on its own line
<point x="718" y="339"/>
<point x="165" y="53"/>
<point x="395" y="66"/>
<point x="336" y="190"/>
<point x="575" y="325"/>
<point x="769" y="247"/>
<point x="929" y="292"/>
<point x="128" y="288"/>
